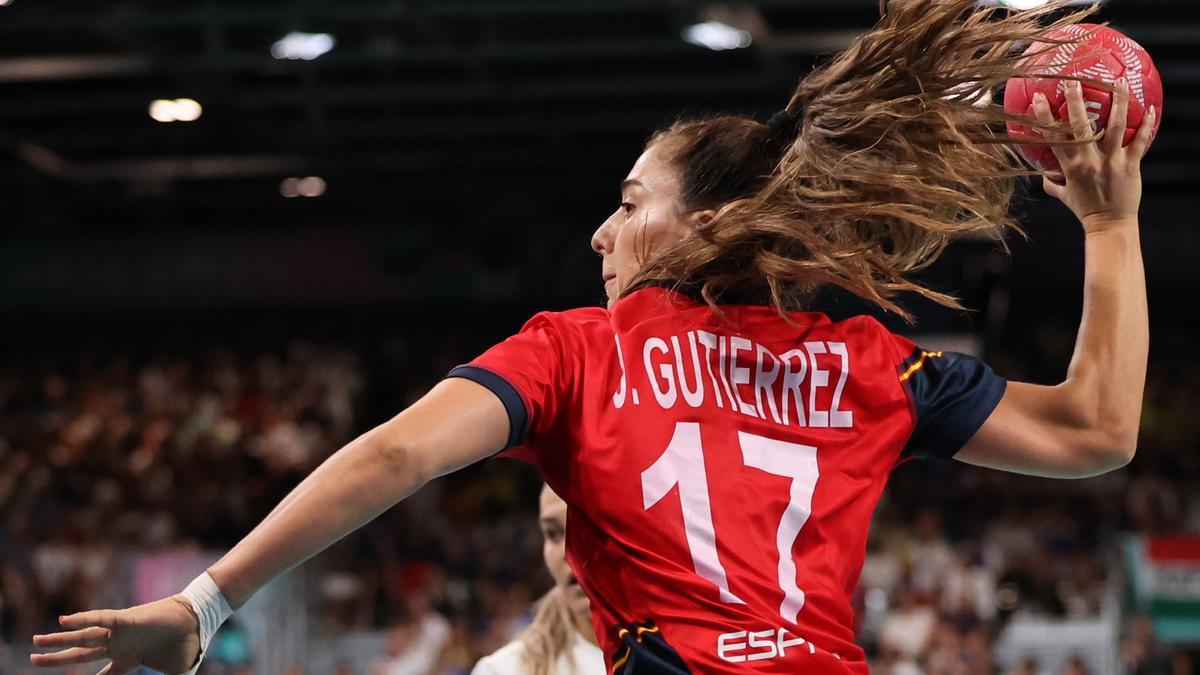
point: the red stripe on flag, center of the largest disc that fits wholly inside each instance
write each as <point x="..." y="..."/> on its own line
<point x="1182" y="548"/>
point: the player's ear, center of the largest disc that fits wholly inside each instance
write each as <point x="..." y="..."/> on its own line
<point x="701" y="217"/>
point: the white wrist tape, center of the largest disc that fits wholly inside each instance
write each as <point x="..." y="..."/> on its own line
<point x="211" y="608"/>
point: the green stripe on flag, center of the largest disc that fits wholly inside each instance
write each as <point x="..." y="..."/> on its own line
<point x="1135" y="561"/>
<point x="1188" y="608"/>
<point x="1173" y="630"/>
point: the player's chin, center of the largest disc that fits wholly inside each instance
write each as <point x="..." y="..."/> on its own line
<point x="575" y="595"/>
<point x="611" y="291"/>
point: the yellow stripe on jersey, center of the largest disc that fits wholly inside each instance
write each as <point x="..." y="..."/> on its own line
<point x="621" y="635"/>
<point x="918" y="365"/>
<point x="617" y="664"/>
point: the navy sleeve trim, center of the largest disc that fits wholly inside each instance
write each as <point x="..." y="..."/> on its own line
<point x="518" y="416"/>
<point x="952" y="396"/>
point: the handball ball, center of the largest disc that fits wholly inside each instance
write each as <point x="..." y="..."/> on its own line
<point x="1097" y="53"/>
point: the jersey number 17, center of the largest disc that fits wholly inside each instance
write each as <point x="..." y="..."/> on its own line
<point x="682" y="464"/>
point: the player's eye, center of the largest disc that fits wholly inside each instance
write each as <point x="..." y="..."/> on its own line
<point x="627" y="207"/>
<point x="552" y="534"/>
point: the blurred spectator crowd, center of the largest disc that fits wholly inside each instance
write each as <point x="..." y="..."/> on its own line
<point x="189" y="448"/>
<point x="956" y="551"/>
<point x="100" y="453"/>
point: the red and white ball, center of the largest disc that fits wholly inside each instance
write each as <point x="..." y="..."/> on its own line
<point x="1097" y="53"/>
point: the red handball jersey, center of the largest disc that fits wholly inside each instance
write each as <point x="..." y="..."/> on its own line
<point x="721" y="474"/>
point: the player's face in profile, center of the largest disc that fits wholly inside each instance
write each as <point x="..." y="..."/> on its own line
<point x="650" y="215"/>
<point x="553" y="520"/>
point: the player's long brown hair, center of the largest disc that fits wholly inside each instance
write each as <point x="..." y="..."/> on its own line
<point x="895" y="151"/>
<point x="549" y="635"/>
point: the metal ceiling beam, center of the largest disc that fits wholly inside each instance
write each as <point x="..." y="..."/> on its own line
<point x="155" y="170"/>
<point x="380" y="129"/>
<point x="47" y="68"/>
<point x="223" y="167"/>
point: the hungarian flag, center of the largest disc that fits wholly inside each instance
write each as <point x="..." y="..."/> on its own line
<point x="1165" y="580"/>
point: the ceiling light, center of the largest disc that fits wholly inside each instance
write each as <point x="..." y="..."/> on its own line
<point x="162" y="110"/>
<point x="303" y="46"/>
<point x="289" y="187"/>
<point x="177" y="110"/>
<point x="187" y="110"/>
<point x="312" y="186"/>
<point x="717" y="36"/>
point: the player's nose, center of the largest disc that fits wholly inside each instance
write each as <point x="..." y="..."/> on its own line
<point x="602" y="239"/>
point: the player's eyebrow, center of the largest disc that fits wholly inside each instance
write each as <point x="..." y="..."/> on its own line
<point x="630" y="182"/>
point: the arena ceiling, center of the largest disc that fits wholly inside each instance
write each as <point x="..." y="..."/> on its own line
<point x="458" y="114"/>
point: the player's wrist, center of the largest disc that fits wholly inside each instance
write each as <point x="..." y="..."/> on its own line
<point x="210" y="608"/>
<point x="1101" y="223"/>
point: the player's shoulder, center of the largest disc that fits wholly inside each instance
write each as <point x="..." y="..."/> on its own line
<point x="860" y="331"/>
<point x="859" y="325"/>
<point x="865" y="332"/>
<point x="507" y="659"/>
<point x="572" y="329"/>
<point x="579" y="317"/>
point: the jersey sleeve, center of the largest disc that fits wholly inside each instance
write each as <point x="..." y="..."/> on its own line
<point x="530" y="373"/>
<point x="951" y="396"/>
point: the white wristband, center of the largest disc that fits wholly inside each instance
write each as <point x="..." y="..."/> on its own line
<point x="211" y="608"/>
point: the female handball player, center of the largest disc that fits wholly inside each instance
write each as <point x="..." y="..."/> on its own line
<point x="720" y="449"/>
<point x="560" y="640"/>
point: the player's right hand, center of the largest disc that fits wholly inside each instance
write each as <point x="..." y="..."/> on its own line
<point x="162" y="635"/>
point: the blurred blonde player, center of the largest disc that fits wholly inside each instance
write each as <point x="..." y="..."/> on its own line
<point x="560" y="641"/>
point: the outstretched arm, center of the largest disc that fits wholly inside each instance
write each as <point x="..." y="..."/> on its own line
<point x="1088" y="424"/>
<point x="458" y="423"/>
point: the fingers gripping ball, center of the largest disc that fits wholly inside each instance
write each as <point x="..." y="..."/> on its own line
<point x="1095" y="53"/>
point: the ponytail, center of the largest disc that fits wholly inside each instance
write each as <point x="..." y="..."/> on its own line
<point x="896" y="150"/>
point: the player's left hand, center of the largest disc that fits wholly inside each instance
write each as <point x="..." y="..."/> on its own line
<point x="163" y="635"/>
<point x="1101" y="181"/>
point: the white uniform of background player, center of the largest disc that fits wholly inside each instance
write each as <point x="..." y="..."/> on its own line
<point x="509" y="660"/>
